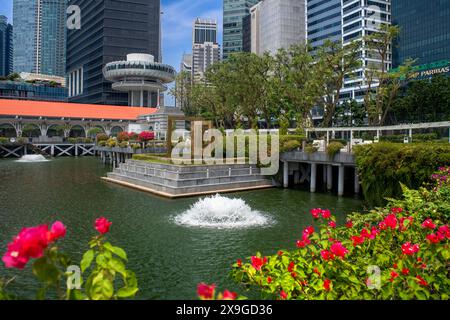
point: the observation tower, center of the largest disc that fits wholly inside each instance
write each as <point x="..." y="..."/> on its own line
<point x="140" y="76"/>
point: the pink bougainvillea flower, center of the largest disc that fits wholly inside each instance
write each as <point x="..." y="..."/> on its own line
<point x="228" y="295"/>
<point x="433" y="238"/>
<point x="395" y="266"/>
<point x="269" y="280"/>
<point x="13" y="258"/>
<point x="349" y="224"/>
<point x="405" y="271"/>
<point x="206" y="292"/>
<point x="280" y="253"/>
<point x="316" y="271"/>
<point x="444" y="232"/>
<point x="428" y="223"/>
<point x="326" y="214"/>
<point x="283" y="295"/>
<point x="382" y="225"/>
<point x="332" y="224"/>
<point x="102" y="225"/>
<point x="258" y="263"/>
<point x="396" y="210"/>
<point x="294" y="275"/>
<point x="57" y="231"/>
<point x="422" y="281"/>
<point x="308" y="231"/>
<point x="326" y="255"/>
<point x="409" y="249"/>
<point x="302" y="243"/>
<point x="326" y="284"/>
<point x="316" y="213"/>
<point x="338" y="249"/>
<point x="239" y="263"/>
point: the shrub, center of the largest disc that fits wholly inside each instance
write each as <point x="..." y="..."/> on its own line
<point x="123" y="136"/>
<point x="334" y="148"/>
<point x="102" y="137"/>
<point x="4" y="140"/>
<point x="72" y="140"/>
<point x="102" y="143"/>
<point x="310" y="149"/>
<point x="81" y="140"/>
<point x="383" y="166"/>
<point x="105" y="263"/>
<point x="111" y="143"/>
<point x="387" y="254"/>
<point x="146" y="136"/>
<point x="290" y="145"/>
<point x="22" y="140"/>
<point x="123" y="144"/>
<point x="133" y="135"/>
<point x="136" y="146"/>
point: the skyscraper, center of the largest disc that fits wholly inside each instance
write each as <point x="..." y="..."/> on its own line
<point x="279" y="24"/>
<point x="109" y="31"/>
<point x="6" y="47"/>
<point x="39" y="40"/>
<point x="324" y="21"/>
<point x="205" y="49"/>
<point x="424" y="30"/>
<point x="234" y="12"/>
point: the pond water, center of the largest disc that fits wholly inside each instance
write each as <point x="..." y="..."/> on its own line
<point x="170" y="258"/>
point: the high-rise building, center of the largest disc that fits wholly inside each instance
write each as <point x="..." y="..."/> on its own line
<point x="234" y="12"/>
<point x="424" y="30"/>
<point x="6" y="47"/>
<point x="205" y="49"/>
<point x="110" y="30"/>
<point x="324" y="21"/>
<point x="39" y="40"/>
<point x="278" y="24"/>
<point x="359" y="19"/>
<point x="186" y="63"/>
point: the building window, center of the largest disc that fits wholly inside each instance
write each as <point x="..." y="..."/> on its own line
<point x="76" y="85"/>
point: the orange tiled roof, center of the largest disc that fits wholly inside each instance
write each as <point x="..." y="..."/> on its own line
<point x="25" y="108"/>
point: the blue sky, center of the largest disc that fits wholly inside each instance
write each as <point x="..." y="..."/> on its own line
<point x="177" y="19"/>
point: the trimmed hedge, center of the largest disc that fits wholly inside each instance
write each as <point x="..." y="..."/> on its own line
<point x="384" y="166"/>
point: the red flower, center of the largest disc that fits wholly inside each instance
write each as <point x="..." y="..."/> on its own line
<point x="444" y="231"/>
<point x="228" y="295"/>
<point x="326" y="214"/>
<point x="239" y="263"/>
<point x="269" y="280"/>
<point x="102" y="225"/>
<point x="316" y="271"/>
<point x="258" y="263"/>
<point x="382" y="225"/>
<point x="206" y="292"/>
<point x="332" y="224"/>
<point x="316" y="213"/>
<point x="302" y="243"/>
<point x="393" y="276"/>
<point x="409" y="249"/>
<point x="338" y="249"/>
<point x="402" y="220"/>
<point x="357" y="240"/>
<point x="57" y="231"/>
<point x="405" y="271"/>
<point x="146" y="136"/>
<point x="433" y="238"/>
<point x="291" y="266"/>
<point x="428" y="223"/>
<point x="280" y="253"/>
<point x="326" y="255"/>
<point x="293" y="274"/>
<point x="396" y="210"/>
<point x="422" y="281"/>
<point x="308" y="231"/>
<point x="349" y="224"/>
<point x="283" y="295"/>
<point x="326" y="284"/>
<point x="395" y="266"/>
<point x="391" y="221"/>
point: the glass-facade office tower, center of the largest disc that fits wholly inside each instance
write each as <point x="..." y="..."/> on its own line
<point x="6" y="47"/>
<point x="424" y="30"/>
<point x="39" y="40"/>
<point x="205" y="49"/>
<point x="109" y="31"/>
<point x="324" y="21"/>
<point x="234" y="12"/>
<point x="279" y="24"/>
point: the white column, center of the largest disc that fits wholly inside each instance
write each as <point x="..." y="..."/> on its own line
<point x="313" y="177"/>
<point x="141" y="102"/>
<point x="329" y="177"/>
<point x="157" y="100"/>
<point x="341" y="180"/>
<point x="286" y="174"/>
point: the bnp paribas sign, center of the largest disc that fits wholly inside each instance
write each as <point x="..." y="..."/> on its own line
<point x="430" y="70"/>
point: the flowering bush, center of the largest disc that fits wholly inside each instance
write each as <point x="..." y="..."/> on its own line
<point x="145" y="136"/>
<point x="387" y="254"/>
<point x="123" y="136"/>
<point x="208" y="292"/>
<point x="105" y="262"/>
<point x="133" y="136"/>
<point x="102" y="137"/>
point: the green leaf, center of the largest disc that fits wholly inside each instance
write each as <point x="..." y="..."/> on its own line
<point x="45" y="271"/>
<point x="127" y="292"/>
<point x="102" y="290"/>
<point x="116" y="250"/>
<point x="86" y="262"/>
<point x="41" y="293"/>
<point x="117" y="266"/>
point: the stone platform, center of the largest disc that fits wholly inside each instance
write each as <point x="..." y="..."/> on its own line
<point x="174" y="181"/>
